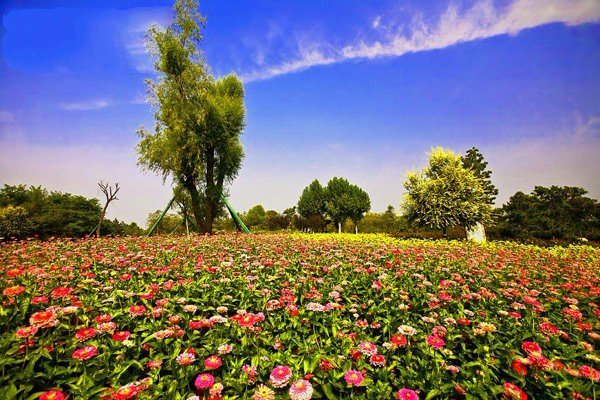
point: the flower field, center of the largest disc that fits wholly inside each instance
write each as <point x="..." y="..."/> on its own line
<point x="297" y="316"/>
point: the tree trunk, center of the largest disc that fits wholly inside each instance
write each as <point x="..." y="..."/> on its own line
<point x="339" y="227"/>
<point x="209" y="209"/>
<point x="101" y="219"/>
<point x="195" y="196"/>
<point x="355" y="228"/>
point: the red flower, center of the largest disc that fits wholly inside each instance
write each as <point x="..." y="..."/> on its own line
<point x="377" y="359"/>
<point x="26" y="332"/>
<point x="53" y="395"/>
<point x="85" y="353"/>
<point x="513" y="392"/>
<point x="13" y="291"/>
<point x="398" y="340"/>
<point x="120" y="336"/>
<point x="137" y="310"/>
<point x="43" y="319"/>
<point x="84" y="334"/>
<point x="519" y="367"/>
<point x="61" y="292"/>
<point x="213" y="362"/>
<point x="532" y="348"/>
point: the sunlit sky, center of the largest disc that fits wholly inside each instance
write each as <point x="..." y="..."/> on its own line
<point x="345" y="88"/>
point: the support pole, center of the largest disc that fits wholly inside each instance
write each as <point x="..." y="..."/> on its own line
<point x="241" y="227"/>
<point x="153" y="227"/>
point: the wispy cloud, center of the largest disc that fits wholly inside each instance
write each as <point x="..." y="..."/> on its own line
<point x="482" y="20"/>
<point x="134" y="34"/>
<point x="85" y="106"/>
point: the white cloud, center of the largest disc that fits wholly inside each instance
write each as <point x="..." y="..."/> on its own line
<point x="483" y="20"/>
<point x="84" y="106"/>
<point x="376" y="22"/>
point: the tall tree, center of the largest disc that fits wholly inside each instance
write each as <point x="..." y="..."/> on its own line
<point x="311" y="205"/>
<point x="339" y="199"/>
<point x="110" y="194"/>
<point x="199" y="120"/>
<point x="473" y="160"/>
<point x="445" y="194"/>
<point x="360" y="203"/>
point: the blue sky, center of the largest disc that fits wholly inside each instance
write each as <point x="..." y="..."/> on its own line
<point x="338" y="88"/>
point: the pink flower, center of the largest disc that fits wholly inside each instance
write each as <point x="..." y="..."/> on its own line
<point x="301" y="390"/>
<point x="407" y="394"/>
<point x="435" y="341"/>
<point x="186" y="358"/>
<point x="367" y="348"/>
<point x="353" y="377"/>
<point x="280" y="376"/>
<point x="204" y="381"/>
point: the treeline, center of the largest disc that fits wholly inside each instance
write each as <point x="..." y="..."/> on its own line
<point x="32" y="211"/>
<point x="452" y="194"/>
<point x="547" y="213"/>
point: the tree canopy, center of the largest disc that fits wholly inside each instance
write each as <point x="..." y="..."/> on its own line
<point x="199" y="119"/>
<point x="474" y="161"/>
<point x="445" y="194"/>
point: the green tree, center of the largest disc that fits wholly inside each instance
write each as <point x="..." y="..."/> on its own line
<point x="445" y="194"/>
<point x="359" y="204"/>
<point x="255" y="216"/>
<point x="338" y="201"/>
<point x="389" y="220"/>
<point x="199" y="120"/>
<point x="311" y="206"/>
<point x="474" y="161"/>
<point x="14" y="223"/>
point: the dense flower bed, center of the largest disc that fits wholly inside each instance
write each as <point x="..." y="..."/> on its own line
<point x="297" y="316"/>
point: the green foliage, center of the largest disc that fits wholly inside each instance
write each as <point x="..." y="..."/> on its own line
<point x="445" y="194"/>
<point x="14" y="222"/>
<point x="198" y="119"/>
<point x="385" y="222"/>
<point x="474" y="161"/>
<point x="550" y="213"/>
<point x="311" y="207"/>
<point x="255" y="216"/>
<point x="275" y="221"/>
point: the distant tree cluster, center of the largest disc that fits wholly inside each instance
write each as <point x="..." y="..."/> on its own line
<point x="27" y="211"/>
<point x="553" y="212"/>
<point x="337" y="202"/>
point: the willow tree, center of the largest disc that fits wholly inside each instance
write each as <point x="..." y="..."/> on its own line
<point x="198" y="119"/>
<point x="445" y="194"/>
